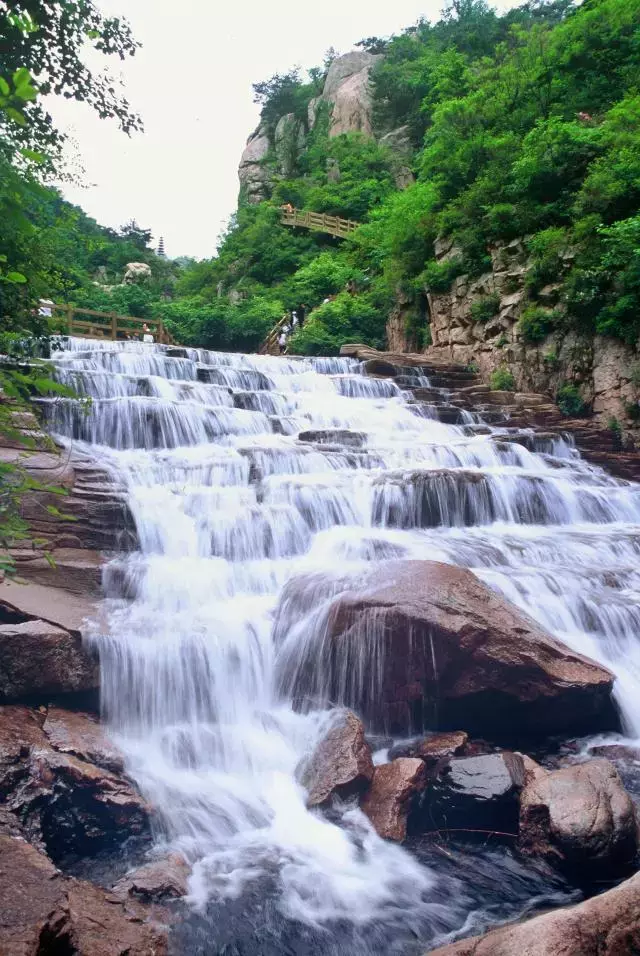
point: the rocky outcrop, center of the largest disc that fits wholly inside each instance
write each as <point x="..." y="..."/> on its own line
<point x="44" y="913"/>
<point x="348" y="88"/>
<point x="393" y="789"/>
<point x="289" y="140"/>
<point x="341" y="764"/>
<point x="64" y="802"/>
<point x="136" y="272"/>
<point x="443" y="650"/>
<point x="603" y="369"/>
<point x="434" y="748"/>
<point x="81" y="735"/>
<point x="607" y="925"/>
<point x="39" y="661"/>
<point x="254" y="177"/>
<point x="580" y="817"/>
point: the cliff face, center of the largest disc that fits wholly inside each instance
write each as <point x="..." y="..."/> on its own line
<point x="604" y="370"/>
<point x="346" y="90"/>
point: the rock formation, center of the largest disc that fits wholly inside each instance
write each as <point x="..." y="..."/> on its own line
<point x="347" y="88"/>
<point x="393" y="788"/>
<point x="136" y="272"/>
<point x="445" y="651"/>
<point x="253" y="175"/>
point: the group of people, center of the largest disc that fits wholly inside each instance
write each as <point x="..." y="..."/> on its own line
<point x="290" y="324"/>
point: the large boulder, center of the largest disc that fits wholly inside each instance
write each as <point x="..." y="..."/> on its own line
<point x="39" y="660"/>
<point x="393" y="790"/>
<point x="341" y="764"/>
<point x="580" y="817"/>
<point x="348" y="88"/>
<point x="157" y="881"/>
<point x="44" y="913"/>
<point x="289" y="141"/>
<point x="421" y="644"/>
<point x="136" y="272"/>
<point x="607" y="925"/>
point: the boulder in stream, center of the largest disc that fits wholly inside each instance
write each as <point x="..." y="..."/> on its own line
<point x="606" y="925"/>
<point x="425" y="644"/>
<point x="580" y="817"/>
<point x="341" y="764"/>
<point x="393" y="790"/>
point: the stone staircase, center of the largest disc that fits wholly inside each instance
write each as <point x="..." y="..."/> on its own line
<point x="456" y="395"/>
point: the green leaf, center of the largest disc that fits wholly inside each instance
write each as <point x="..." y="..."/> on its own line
<point x="4" y="86"/>
<point x="33" y="156"/>
<point x="16" y="116"/>
<point x="16" y="277"/>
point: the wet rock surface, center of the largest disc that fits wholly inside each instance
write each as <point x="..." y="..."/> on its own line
<point x="580" y="817"/>
<point x="40" y="660"/>
<point x="43" y="913"/>
<point x="341" y="764"/>
<point x="606" y="925"/>
<point x="157" y="881"/>
<point x="457" y="654"/>
<point x="388" y="801"/>
<point x="65" y="804"/>
<point x="474" y="793"/>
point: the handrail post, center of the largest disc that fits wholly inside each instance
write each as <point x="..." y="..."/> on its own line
<point x="70" y="311"/>
<point x="114" y="326"/>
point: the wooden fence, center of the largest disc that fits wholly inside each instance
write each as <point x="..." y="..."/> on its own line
<point x="270" y="345"/>
<point x="89" y="324"/>
<point x="320" y="222"/>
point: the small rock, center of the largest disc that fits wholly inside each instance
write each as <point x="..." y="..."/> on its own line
<point x="157" y="881"/>
<point x="439" y="746"/>
<point x="580" y="817"/>
<point x="388" y="801"/>
<point x="341" y="764"/>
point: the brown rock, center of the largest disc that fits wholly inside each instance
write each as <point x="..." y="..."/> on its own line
<point x="389" y="798"/>
<point x="157" y="881"/>
<point x="75" y="807"/>
<point x="579" y="816"/>
<point x="20" y="730"/>
<point x="607" y="925"/>
<point x="39" y="660"/>
<point x="44" y="913"/>
<point x="341" y="764"/>
<point x="81" y="735"/>
<point x="444" y="650"/>
<point x="440" y="746"/>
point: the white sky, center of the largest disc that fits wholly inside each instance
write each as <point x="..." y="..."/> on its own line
<point x="191" y="83"/>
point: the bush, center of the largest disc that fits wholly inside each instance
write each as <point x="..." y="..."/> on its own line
<point x="502" y="380"/>
<point x="536" y="323"/>
<point x="570" y="401"/>
<point x="347" y="318"/>
<point x="485" y="308"/>
<point x="438" y="276"/>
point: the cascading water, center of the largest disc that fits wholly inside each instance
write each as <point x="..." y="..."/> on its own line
<point x="241" y="524"/>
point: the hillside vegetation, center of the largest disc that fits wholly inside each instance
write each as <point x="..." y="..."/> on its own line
<point x="526" y="124"/>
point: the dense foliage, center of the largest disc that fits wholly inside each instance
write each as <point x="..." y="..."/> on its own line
<point x="525" y="124"/>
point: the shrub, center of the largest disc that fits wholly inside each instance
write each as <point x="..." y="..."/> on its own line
<point x="485" y="308"/>
<point x="502" y="380"/>
<point x="438" y="276"/>
<point x="536" y="323"/>
<point x="570" y="401"/>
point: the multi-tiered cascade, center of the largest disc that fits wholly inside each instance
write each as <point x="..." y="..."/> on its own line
<point x="251" y="479"/>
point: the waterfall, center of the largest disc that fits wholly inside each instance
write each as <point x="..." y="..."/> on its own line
<point x="246" y="532"/>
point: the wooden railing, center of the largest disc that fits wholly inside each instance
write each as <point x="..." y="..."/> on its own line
<point x="320" y="222"/>
<point x="110" y="325"/>
<point x="270" y="345"/>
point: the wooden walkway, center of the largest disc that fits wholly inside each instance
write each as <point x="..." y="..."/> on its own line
<point x="89" y="324"/>
<point x="319" y="222"/>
